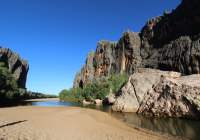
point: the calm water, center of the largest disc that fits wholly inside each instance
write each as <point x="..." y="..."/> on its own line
<point x="176" y="127"/>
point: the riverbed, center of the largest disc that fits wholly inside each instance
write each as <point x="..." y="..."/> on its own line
<point x="164" y="126"/>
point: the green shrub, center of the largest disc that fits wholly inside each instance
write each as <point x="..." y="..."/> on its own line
<point x="92" y="91"/>
<point x="117" y="81"/>
<point x="74" y="94"/>
<point x="96" y="89"/>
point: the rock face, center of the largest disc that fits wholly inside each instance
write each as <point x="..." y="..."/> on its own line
<point x="132" y="94"/>
<point x="17" y="66"/>
<point x="110" y="99"/>
<point x="161" y="94"/>
<point x="169" y="42"/>
<point x="87" y="72"/>
<point x="111" y="57"/>
<point x="161" y="30"/>
<point x="173" y="98"/>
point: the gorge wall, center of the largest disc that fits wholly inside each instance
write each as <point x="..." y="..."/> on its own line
<point x="170" y="42"/>
<point x="17" y="66"/>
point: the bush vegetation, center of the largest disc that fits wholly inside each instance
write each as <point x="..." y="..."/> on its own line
<point x="73" y="94"/>
<point x="8" y="84"/>
<point x="96" y="89"/>
<point x="9" y="90"/>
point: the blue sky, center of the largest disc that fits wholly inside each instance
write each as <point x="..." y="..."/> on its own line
<point x="55" y="36"/>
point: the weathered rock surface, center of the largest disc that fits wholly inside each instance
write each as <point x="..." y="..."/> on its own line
<point x="132" y="94"/>
<point x="161" y="94"/>
<point x="17" y="66"/>
<point x="183" y="21"/>
<point x="169" y="42"/>
<point x="84" y="102"/>
<point x="111" y="57"/>
<point x="110" y="99"/>
<point x="87" y="72"/>
<point x="98" y="102"/>
<point x="173" y="98"/>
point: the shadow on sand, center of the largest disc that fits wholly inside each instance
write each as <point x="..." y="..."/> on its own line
<point x="13" y="123"/>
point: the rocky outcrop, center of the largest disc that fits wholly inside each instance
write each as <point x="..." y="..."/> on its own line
<point x="173" y="98"/>
<point x="183" y="21"/>
<point x="17" y="66"/>
<point x="181" y="55"/>
<point x="169" y="42"/>
<point x="87" y="72"/>
<point x="109" y="99"/>
<point x="111" y="57"/>
<point x="132" y="94"/>
<point x="161" y="94"/>
<point x="104" y="59"/>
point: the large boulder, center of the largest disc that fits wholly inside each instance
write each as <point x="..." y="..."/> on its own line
<point x="161" y="94"/>
<point x="132" y="94"/>
<point x="173" y="98"/>
<point x="17" y="66"/>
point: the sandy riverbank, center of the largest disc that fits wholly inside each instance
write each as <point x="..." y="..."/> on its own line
<point x="65" y="123"/>
<point x="43" y="99"/>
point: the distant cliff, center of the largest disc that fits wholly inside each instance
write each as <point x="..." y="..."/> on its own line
<point x="169" y="42"/>
<point x="15" y="65"/>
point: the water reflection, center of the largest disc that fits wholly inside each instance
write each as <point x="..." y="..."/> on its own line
<point x="172" y="126"/>
<point x="54" y="103"/>
<point x="14" y="104"/>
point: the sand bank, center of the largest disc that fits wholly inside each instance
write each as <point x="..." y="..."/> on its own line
<point x="65" y="123"/>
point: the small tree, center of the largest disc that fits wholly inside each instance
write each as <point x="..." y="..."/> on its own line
<point x="116" y="81"/>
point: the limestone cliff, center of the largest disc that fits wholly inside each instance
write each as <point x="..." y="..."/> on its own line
<point x="111" y="57"/>
<point x="17" y="66"/>
<point x="169" y="42"/>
